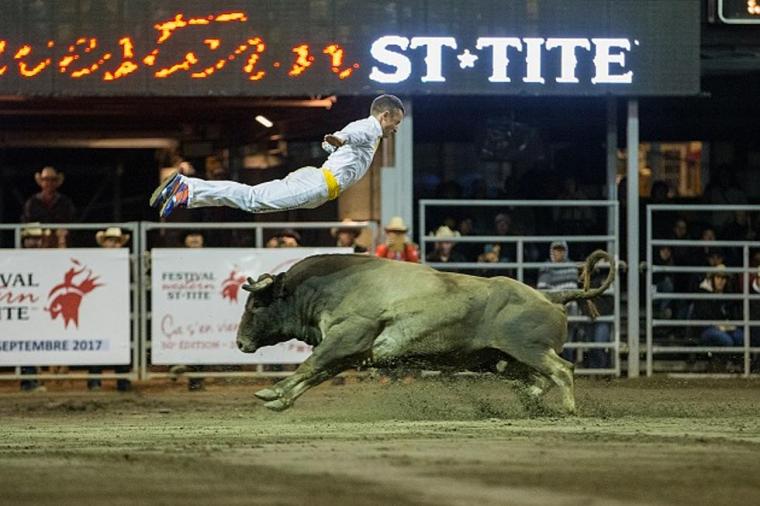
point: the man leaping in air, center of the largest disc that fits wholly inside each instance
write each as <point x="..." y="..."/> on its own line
<point x="351" y="152"/>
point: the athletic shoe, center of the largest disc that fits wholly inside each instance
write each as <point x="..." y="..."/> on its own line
<point x="165" y="189"/>
<point x="177" y="198"/>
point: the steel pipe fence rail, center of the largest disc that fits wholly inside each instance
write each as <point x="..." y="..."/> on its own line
<point x="521" y="266"/>
<point x="134" y="287"/>
<point x="745" y="296"/>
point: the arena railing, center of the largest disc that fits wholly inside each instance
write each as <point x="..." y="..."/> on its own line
<point x="76" y="240"/>
<point x="688" y="346"/>
<point x="258" y="228"/>
<point x="610" y="240"/>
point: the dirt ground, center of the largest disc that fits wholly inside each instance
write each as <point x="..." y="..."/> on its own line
<point x="431" y="442"/>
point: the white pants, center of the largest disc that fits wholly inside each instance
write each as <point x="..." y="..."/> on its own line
<point x="303" y="188"/>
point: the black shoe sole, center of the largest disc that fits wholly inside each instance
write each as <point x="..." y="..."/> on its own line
<point x="155" y="200"/>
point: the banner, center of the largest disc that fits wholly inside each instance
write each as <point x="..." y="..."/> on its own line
<point x="197" y="303"/>
<point x="64" y="307"/>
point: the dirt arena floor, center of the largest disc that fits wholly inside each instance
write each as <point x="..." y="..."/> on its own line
<point x="431" y="442"/>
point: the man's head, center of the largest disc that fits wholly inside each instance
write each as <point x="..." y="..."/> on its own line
<point x="346" y="236"/>
<point x="680" y="228"/>
<point x="502" y="222"/>
<point x="193" y="240"/>
<point x="389" y="111"/>
<point x="34" y="237"/>
<point x="443" y="232"/>
<point x="112" y="237"/>
<point x="49" y="179"/>
<point x="288" y="238"/>
<point x="719" y="278"/>
<point x="558" y="251"/>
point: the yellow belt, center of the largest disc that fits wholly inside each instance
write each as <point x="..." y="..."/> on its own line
<point x="333" y="189"/>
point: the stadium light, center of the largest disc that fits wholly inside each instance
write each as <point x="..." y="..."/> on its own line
<point x="264" y="121"/>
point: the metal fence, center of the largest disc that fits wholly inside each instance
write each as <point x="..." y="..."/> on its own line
<point x="520" y="266"/>
<point x="134" y="286"/>
<point x="686" y="343"/>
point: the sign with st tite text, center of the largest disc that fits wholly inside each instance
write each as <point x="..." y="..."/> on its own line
<point x="197" y="303"/>
<point x="297" y="47"/>
<point x="64" y="307"/>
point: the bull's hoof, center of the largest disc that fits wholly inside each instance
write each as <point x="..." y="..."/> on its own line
<point x="277" y="405"/>
<point x="267" y="394"/>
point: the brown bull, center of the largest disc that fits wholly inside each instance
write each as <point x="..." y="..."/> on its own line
<point x="359" y="310"/>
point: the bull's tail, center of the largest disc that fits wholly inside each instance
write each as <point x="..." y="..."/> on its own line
<point x="587" y="293"/>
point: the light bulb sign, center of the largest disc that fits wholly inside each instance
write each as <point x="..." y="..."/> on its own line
<point x="298" y="47"/>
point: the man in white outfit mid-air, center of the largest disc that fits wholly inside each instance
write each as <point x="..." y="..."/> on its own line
<point x="351" y="152"/>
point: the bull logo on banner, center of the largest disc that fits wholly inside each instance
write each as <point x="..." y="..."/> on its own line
<point x="231" y="285"/>
<point x="65" y="298"/>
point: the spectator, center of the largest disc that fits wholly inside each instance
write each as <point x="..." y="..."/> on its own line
<point x="754" y="306"/>
<point x="680" y="232"/>
<point x="445" y="251"/>
<point x="192" y="239"/>
<point x="576" y="219"/>
<point x="345" y="237"/>
<point x="112" y="237"/>
<point x="717" y="309"/>
<point x="561" y="274"/>
<point x="708" y="236"/>
<point x="397" y="245"/>
<point x="286" y="238"/>
<point x="469" y="250"/>
<point x="724" y="190"/>
<point x="600" y="332"/>
<point x="49" y="206"/>
<point x="33" y="237"/>
<point x="660" y="192"/>
<point x="499" y="252"/>
<point x="739" y="228"/>
<point x="663" y="282"/>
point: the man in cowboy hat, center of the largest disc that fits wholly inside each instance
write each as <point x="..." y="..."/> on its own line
<point x="346" y="235"/>
<point x="49" y="206"/>
<point x="397" y="245"/>
<point x="34" y="236"/>
<point x="444" y="250"/>
<point x="112" y="237"/>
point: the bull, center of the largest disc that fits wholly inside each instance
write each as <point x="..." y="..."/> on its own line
<point x="357" y="310"/>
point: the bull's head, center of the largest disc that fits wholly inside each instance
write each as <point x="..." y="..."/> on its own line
<point x="261" y="324"/>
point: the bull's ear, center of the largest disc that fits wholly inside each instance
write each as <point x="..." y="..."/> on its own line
<point x="264" y="282"/>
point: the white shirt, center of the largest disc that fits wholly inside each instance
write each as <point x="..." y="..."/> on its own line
<point x="351" y="161"/>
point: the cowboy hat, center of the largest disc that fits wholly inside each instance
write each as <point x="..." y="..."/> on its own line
<point x="443" y="232"/>
<point x="49" y="173"/>
<point x="351" y="227"/>
<point x="396" y="225"/>
<point x="34" y="230"/>
<point x="111" y="233"/>
<point x="720" y="272"/>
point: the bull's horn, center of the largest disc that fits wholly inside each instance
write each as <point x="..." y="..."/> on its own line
<point x="259" y="285"/>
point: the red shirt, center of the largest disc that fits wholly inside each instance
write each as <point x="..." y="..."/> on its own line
<point x="410" y="253"/>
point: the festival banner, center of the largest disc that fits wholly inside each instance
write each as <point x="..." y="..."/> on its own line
<point x="64" y="307"/>
<point x="197" y="303"/>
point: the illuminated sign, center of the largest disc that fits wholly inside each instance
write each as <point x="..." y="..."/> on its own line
<point x="253" y="47"/>
<point x="389" y="50"/>
<point x="743" y="12"/>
